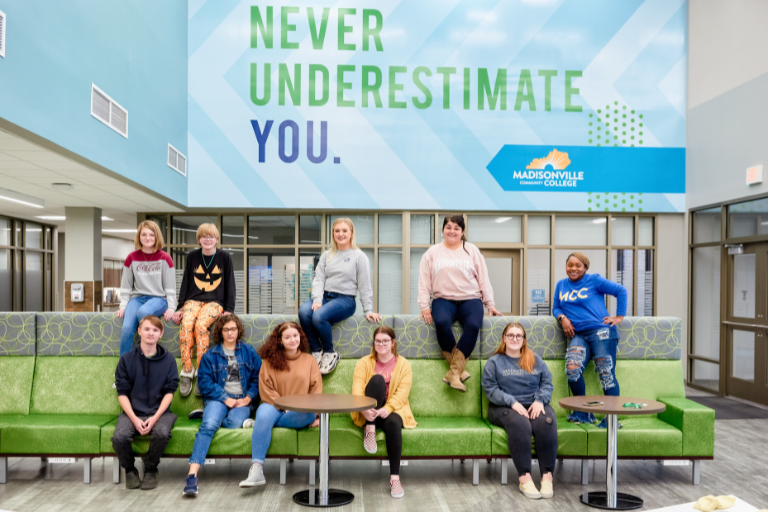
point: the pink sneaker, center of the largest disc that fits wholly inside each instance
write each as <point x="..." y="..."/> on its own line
<point x="369" y="442"/>
<point x="396" y="489"/>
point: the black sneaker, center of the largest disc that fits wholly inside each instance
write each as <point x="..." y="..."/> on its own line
<point x="190" y="489"/>
<point x="150" y="481"/>
<point x="132" y="480"/>
<point x="197" y="414"/>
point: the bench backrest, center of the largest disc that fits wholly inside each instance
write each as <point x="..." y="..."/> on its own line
<point x="17" y="361"/>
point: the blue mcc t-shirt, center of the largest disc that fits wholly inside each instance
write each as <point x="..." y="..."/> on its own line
<point x="583" y="301"/>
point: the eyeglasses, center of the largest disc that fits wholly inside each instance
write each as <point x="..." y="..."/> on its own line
<point x="515" y="337"/>
<point x="382" y="342"/>
<point x="208" y="238"/>
<point x="230" y="329"/>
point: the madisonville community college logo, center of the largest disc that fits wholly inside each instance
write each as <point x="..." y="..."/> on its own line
<point x="549" y="171"/>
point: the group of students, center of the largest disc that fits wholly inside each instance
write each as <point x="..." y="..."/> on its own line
<point x="453" y="286"/>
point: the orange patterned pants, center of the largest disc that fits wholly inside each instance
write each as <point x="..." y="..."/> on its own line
<point x="195" y="322"/>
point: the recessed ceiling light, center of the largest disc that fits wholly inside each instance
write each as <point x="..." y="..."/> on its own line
<point x="62" y="186"/>
<point x="51" y="217"/>
<point x="10" y="195"/>
<point x="105" y="218"/>
<point x="118" y="230"/>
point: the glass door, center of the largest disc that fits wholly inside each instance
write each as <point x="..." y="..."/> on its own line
<point x="504" y="274"/>
<point x="747" y="324"/>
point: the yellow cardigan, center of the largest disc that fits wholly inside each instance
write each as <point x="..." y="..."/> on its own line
<point x="399" y="388"/>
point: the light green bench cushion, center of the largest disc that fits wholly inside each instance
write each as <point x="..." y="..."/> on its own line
<point x="697" y="423"/>
<point x="571" y="439"/>
<point x="434" y="437"/>
<point x="225" y="442"/>
<point x="59" y="434"/>
<point x="638" y="436"/>
<point x="16" y="374"/>
<point x="74" y="385"/>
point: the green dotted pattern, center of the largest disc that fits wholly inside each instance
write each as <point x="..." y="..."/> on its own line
<point x="615" y="201"/>
<point x="417" y="340"/>
<point x="615" y="125"/>
<point x="17" y="334"/>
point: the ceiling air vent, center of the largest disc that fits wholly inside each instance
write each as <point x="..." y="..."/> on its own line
<point x="176" y="160"/>
<point x="3" y="23"/>
<point x="109" y="112"/>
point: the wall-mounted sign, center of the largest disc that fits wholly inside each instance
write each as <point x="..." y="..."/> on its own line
<point x="755" y="175"/>
<point x="537" y="295"/>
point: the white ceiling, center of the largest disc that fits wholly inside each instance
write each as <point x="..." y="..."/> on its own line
<point x="31" y="169"/>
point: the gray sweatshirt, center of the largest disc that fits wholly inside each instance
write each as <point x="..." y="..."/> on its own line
<point x="347" y="273"/>
<point x="505" y="383"/>
<point x="148" y="274"/>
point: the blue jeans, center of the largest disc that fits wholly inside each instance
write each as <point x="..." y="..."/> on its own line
<point x="216" y="415"/>
<point x="317" y="324"/>
<point x="267" y="416"/>
<point x="600" y="345"/>
<point x="469" y="313"/>
<point x="137" y="308"/>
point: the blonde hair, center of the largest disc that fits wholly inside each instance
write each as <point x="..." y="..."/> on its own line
<point x="154" y="228"/>
<point x="579" y="256"/>
<point x="527" y="359"/>
<point x="207" y="229"/>
<point x="334" y="248"/>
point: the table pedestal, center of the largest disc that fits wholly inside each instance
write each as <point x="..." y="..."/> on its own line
<point x="610" y="499"/>
<point x="323" y="497"/>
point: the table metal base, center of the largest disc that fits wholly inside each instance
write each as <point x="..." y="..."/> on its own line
<point x="311" y="498"/>
<point x="599" y="499"/>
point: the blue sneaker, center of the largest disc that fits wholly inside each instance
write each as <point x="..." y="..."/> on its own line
<point x="190" y="489"/>
<point x="581" y="417"/>
<point x="604" y="423"/>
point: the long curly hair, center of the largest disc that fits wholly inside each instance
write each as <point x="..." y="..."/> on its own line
<point x="218" y="337"/>
<point x="273" y="350"/>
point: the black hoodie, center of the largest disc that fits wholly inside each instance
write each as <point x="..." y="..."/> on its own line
<point x="146" y="381"/>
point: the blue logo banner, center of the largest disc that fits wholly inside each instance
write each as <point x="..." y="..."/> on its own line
<point x="589" y="169"/>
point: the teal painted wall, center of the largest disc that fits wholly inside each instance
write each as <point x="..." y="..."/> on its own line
<point x="134" y="50"/>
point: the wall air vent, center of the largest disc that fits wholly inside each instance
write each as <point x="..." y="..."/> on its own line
<point x="177" y="161"/>
<point x="3" y="23"/>
<point x="109" y="112"/>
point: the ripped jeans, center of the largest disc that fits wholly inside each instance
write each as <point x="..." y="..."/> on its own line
<point x="598" y="345"/>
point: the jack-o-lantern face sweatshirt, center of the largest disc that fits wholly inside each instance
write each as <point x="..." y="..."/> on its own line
<point x="209" y="279"/>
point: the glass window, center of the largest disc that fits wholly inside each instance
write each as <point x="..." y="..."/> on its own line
<point x="706" y="225"/>
<point x="271" y="281"/>
<point x="706" y="374"/>
<point x="369" y="253"/>
<point x="48" y="244"/>
<point x="6" y="297"/>
<point x="623" y="231"/>
<point x="440" y="219"/>
<point x="748" y="219"/>
<point x="363" y="228"/>
<point x="179" y="257"/>
<point x="645" y="274"/>
<point x="580" y="231"/>
<point x="185" y="228"/>
<point x="5" y="234"/>
<point x="537" y="282"/>
<point x="416" y="254"/>
<point x="17" y="237"/>
<point x="423" y="229"/>
<point x="162" y="223"/>
<point x="237" y="265"/>
<point x="743" y="355"/>
<point x="490" y="228"/>
<point x="232" y="230"/>
<point x="391" y="229"/>
<point x="539" y="229"/>
<point x="645" y="232"/>
<point x="272" y="230"/>
<point x="308" y="260"/>
<point x="744" y="278"/>
<point x="622" y="272"/>
<point x="390" y="281"/>
<point x="17" y="284"/>
<point x="309" y="229"/>
<point x="705" y="296"/>
<point x="33" y="234"/>
<point x="596" y="257"/>
<point x="33" y="280"/>
<point x="48" y="283"/>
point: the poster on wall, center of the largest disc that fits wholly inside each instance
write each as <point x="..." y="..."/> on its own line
<point x="556" y="105"/>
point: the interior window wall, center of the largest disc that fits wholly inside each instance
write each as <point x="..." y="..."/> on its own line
<point x="26" y="276"/>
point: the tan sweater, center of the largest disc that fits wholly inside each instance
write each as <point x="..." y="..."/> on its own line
<point x="301" y="378"/>
<point x="399" y="389"/>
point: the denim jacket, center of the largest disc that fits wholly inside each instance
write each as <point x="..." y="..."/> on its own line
<point x="212" y="374"/>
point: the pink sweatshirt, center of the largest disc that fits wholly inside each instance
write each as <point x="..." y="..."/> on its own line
<point x="454" y="275"/>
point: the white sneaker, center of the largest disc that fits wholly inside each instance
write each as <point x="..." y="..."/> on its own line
<point x="249" y="423"/>
<point x="255" y="476"/>
<point x="329" y="362"/>
<point x="318" y="357"/>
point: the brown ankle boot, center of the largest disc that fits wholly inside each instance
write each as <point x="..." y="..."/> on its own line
<point x="448" y="357"/>
<point x="458" y="361"/>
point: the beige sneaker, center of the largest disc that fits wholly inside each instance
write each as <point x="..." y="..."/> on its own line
<point x="546" y="489"/>
<point x="530" y="490"/>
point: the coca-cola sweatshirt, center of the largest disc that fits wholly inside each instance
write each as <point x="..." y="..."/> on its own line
<point x="454" y="274"/>
<point x="148" y="274"/>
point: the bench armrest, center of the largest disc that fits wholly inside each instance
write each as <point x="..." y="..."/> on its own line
<point x="697" y="423"/>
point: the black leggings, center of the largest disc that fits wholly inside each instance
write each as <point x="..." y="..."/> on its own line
<point x="519" y="431"/>
<point x="392" y="425"/>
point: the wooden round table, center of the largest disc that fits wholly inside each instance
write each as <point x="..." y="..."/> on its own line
<point x="324" y="405"/>
<point x="612" y="406"/>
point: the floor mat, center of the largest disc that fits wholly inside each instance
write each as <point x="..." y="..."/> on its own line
<point x="727" y="409"/>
